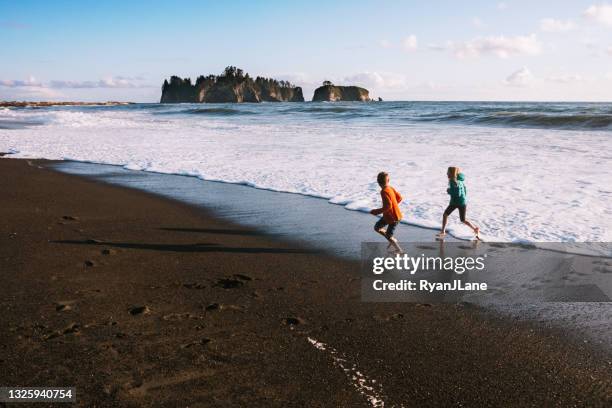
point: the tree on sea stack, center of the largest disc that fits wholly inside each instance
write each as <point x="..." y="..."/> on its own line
<point x="327" y="83"/>
<point x="234" y="85"/>
<point x="230" y="71"/>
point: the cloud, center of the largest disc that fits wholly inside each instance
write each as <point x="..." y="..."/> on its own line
<point x="410" y="43"/>
<point x="301" y="79"/>
<point x="477" y="22"/>
<point x="566" y="78"/>
<point x="113" y="82"/>
<point x="16" y="89"/>
<point x="500" y="46"/>
<point x="609" y="50"/>
<point x="601" y="13"/>
<point x="16" y="83"/>
<point x="385" y="44"/>
<point x="521" y="78"/>
<point x="379" y="80"/>
<point x="438" y="47"/>
<point x="29" y="93"/>
<point x="130" y="78"/>
<point x="502" y="5"/>
<point x="551" y="25"/>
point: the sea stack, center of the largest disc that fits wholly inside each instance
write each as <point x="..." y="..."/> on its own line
<point x="232" y="86"/>
<point x="333" y="93"/>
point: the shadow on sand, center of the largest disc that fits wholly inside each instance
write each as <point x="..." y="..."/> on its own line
<point x="197" y="247"/>
<point x="215" y="231"/>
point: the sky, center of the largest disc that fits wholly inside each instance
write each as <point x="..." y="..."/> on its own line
<point x="399" y="50"/>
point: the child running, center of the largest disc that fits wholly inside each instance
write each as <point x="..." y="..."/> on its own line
<point x="458" y="200"/>
<point x="391" y="214"/>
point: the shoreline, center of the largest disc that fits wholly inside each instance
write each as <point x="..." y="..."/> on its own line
<point x="256" y="206"/>
<point x="416" y="231"/>
<point x="170" y="304"/>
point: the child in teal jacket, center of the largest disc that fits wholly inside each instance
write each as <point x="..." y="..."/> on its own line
<point x="458" y="200"/>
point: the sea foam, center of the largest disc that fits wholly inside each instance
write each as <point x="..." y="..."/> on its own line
<point x="525" y="183"/>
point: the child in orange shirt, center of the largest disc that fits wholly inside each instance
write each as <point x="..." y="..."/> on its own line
<point x="391" y="214"/>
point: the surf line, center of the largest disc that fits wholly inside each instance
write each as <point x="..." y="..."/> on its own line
<point x="359" y="380"/>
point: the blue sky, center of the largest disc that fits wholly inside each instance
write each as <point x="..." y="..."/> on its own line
<point x="408" y="50"/>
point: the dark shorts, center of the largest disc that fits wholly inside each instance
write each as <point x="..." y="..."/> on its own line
<point x="390" y="229"/>
<point x="452" y="207"/>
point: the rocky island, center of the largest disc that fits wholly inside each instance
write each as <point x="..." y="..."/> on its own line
<point x="333" y="93"/>
<point x="233" y="85"/>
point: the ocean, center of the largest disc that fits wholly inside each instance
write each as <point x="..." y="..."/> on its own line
<point x="535" y="172"/>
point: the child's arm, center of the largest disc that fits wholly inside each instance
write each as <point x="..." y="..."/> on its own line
<point x="386" y="204"/>
<point x="398" y="196"/>
<point x="453" y="190"/>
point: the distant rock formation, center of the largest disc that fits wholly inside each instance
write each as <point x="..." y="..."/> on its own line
<point x="332" y="93"/>
<point x="233" y="85"/>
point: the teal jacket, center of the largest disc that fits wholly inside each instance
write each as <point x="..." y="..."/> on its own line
<point x="457" y="191"/>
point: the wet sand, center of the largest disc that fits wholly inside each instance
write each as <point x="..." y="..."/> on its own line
<point x="138" y="300"/>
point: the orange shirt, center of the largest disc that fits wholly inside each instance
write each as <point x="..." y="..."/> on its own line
<point x="390" y="209"/>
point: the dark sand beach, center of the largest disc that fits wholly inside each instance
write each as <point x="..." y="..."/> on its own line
<point x="138" y="300"/>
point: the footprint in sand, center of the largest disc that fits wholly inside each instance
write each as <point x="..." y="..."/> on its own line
<point x="212" y="307"/>
<point x="294" y="321"/>
<point x="201" y="342"/>
<point x="86" y="291"/>
<point x="72" y="328"/>
<point x="194" y="285"/>
<point x="52" y="335"/>
<point x="64" y="305"/>
<point x="139" y="310"/>
<point x="229" y="283"/>
<point x="236" y="281"/>
<point x="90" y="264"/>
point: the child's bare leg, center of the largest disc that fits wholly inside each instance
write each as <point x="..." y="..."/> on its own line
<point x="472" y="226"/>
<point x="444" y="222"/>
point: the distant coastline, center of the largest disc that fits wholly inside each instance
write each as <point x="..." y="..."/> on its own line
<point x="24" y="104"/>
